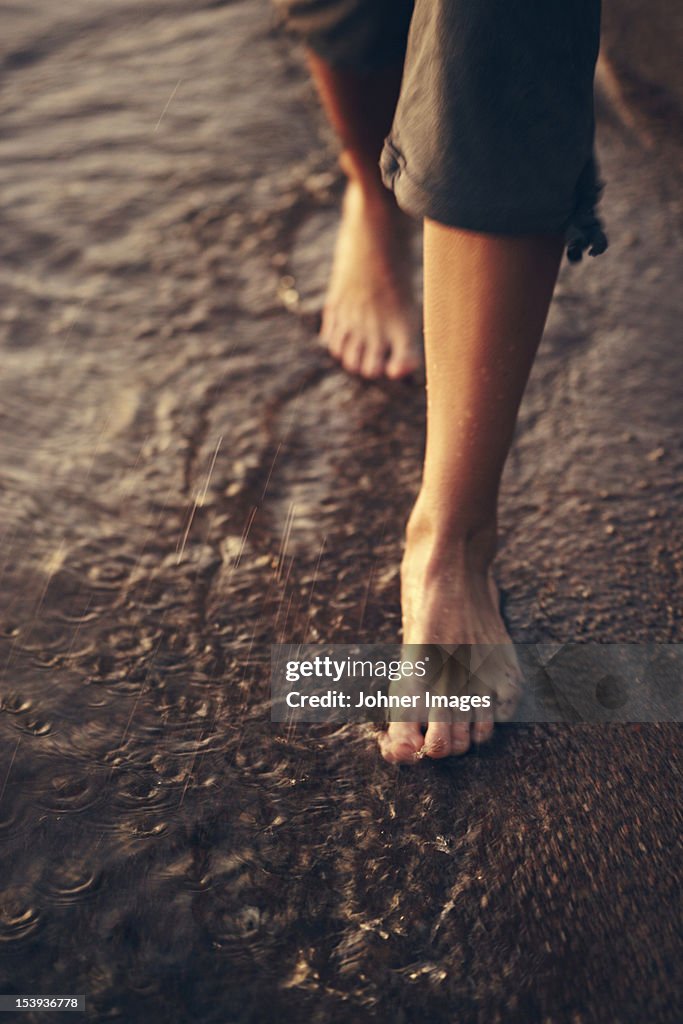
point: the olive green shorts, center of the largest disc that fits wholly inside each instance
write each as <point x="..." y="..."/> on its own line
<point x="494" y="127"/>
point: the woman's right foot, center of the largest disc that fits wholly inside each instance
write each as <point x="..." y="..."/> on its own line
<point x="370" y="320"/>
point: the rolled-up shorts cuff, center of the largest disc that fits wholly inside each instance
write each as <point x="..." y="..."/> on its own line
<point x="423" y="200"/>
<point x="494" y="128"/>
<point x="578" y="224"/>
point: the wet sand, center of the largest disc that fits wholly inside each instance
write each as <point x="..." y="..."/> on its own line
<point x="186" y="478"/>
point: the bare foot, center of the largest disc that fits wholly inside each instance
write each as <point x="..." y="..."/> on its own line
<point x="451" y="599"/>
<point x="370" y="320"/>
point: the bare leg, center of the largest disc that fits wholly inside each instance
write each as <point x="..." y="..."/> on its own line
<point x="370" y="322"/>
<point x="486" y="301"/>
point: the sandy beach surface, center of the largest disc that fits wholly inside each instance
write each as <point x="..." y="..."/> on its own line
<point x="186" y="478"/>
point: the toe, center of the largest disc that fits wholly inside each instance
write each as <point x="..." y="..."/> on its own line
<point x="327" y="326"/>
<point x="352" y="354"/>
<point x="403" y="360"/>
<point x="460" y="737"/>
<point x="374" y="358"/>
<point x="401" y="743"/>
<point x="333" y="338"/>
<point x="438" y="739"/>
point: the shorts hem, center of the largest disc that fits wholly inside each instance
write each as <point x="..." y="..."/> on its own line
<point x="419" y="200"/>
<point x="581" y="228"/>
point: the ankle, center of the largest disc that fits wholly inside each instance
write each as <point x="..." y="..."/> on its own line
<point x="437" y="540"/>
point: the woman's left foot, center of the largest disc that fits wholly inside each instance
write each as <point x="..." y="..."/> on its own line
<point x="451" y="599"/>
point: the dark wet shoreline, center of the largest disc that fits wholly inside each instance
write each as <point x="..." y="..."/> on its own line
<point x="187" y="479"/>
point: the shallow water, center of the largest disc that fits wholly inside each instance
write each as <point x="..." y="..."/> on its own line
<point x="185" y="479"/>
